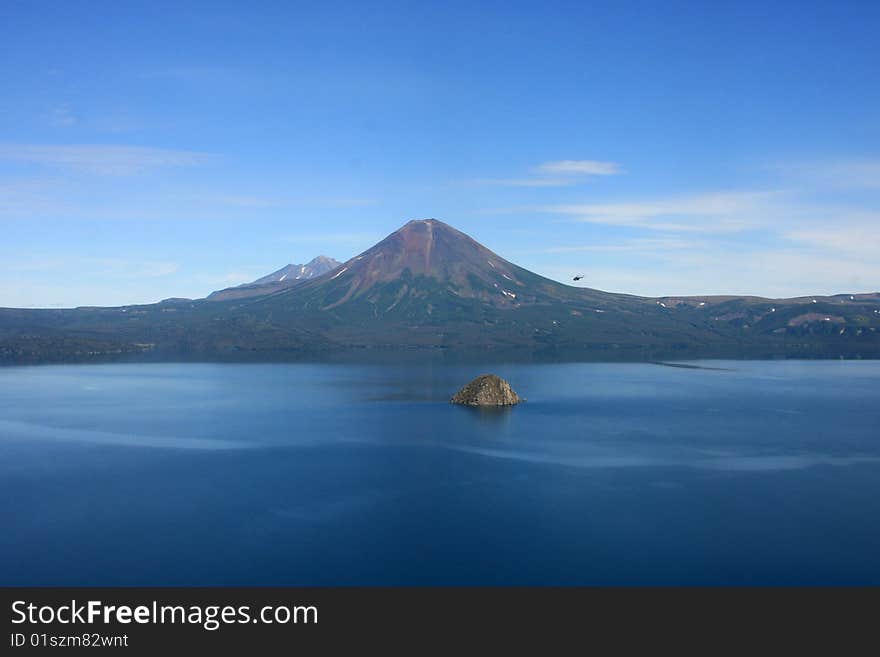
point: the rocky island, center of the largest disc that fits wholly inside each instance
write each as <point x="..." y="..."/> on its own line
<point x="486" y="390"/>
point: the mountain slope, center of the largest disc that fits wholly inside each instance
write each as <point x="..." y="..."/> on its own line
<point x="428" y="285"/>
<point x="287" y="276"/>
<point x="312" y="269"/>
<point x="427" y="255"/>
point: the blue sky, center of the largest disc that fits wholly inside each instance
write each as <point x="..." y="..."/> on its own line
<point x="160" y="149"/>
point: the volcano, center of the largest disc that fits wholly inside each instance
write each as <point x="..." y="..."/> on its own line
<point x="430" y="286"/>
<point x="423" y="262"/>
<point x="428" y="252"/>
<point x="428" y="283"/>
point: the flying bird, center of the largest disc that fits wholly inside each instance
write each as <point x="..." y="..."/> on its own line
<point x="578" y="277"/>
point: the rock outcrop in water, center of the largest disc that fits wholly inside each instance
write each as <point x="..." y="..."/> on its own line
<point x="486" y="390"/>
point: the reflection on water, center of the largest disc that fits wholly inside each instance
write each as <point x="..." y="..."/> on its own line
<point x="606" y="459"/>
<point x="491" y="415"/>
<point x="28" y="431"/>
<point x="723" y="472"/>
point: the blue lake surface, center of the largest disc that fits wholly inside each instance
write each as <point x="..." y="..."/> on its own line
<point x="315" y="474"/>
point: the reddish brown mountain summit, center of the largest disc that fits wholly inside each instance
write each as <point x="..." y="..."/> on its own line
<point x="427" y="256"/>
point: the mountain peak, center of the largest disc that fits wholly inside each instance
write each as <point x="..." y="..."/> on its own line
<point x="313" y="268"/>
<point x="430" y="285"/>
<point x="425" y="247"/>
<point x="430" y="220"/>
<point x="424" y="229"/>
<point x="288" y="276"/>
<point x="427" y="264"/>
<point x="321" y="261"/>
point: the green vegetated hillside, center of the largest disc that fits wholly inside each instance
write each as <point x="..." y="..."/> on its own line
<point x="428" y="286"/>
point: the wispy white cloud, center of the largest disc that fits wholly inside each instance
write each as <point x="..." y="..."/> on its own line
<point x="783" y="271"/>
<point x="241" y="201"/>
<point x="206" y="281"/>
<point x="803" y="237"/>
<point x="126" y="268"/>
<point x="35" y="264"/>
<point x="561" y="173"/>
<point x="102" y="159"/>
<point x="114" y="268"/>
<point x="336" y="238"/>
<point x="858" y="173"/>
<point x="190" y="74"/>
<point x="256" y="201"/>
<point x="642" y="245"/>
<point x="845" y="239"/>
<point x="24" y="195"/>
<point x="157" y="269"/>
<point x="524" y="182"/>
<point x="345" y="202"/>
<point x="63" y="117"/>
<point x="718" y="212"/>
<point x="237" y="278"/>
<point x="46" y="281"/>
<point x="580" y="168"/>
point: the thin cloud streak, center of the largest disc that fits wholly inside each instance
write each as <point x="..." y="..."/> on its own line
<point x="524" y="182"/>
<point x="855" y="240"/>
<point x="103" y="159"/>
<point x="633" y="245"/>
<point x="786" y="241"/>
<point x="63" y="117"/>
<point x="720" y="212"/>
<point x="335" y="238"/>
<point x="773" y="273"/>
<point x="860" y="173"/>
<point x="111" y="267"/>
<point x="581" y="168"/>
<point x="254" y="201"/>
<point x="561" y="173"/>
<point x="123" y="268"/>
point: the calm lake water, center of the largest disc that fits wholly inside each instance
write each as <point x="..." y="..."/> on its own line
<point x="294" y="474"/>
